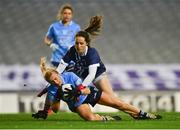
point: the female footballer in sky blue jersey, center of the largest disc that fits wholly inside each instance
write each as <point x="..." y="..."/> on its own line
<point x="80" y="98"/>
<point x="61" y="34"/>
<point x="88" y="64"/>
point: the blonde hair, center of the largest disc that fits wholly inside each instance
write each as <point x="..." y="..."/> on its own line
<point x="61" y="10"/>
<point x="47" y="72"/>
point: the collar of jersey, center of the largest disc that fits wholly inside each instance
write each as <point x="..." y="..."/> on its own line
<point x="85" y="53"/>
<point x="63" y="24"/>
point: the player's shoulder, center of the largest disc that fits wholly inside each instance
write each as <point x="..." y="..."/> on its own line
<point x="72" y="49"/>
<point x="56" y="23"/>
<point x="75" y="24"/>
<point x="92" y="50"/>
<point x="68" y="74"/>
<point x="71" y="76"/>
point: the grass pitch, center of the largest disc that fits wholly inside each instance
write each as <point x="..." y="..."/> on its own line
<point x="64" y="120"/>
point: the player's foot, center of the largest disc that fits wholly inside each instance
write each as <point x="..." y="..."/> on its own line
<point x="40" y="114"/>
<point x="149" y="116"/>
<point x="117" y="118"/>
<point x="153" y="116"/>
<point x="111" y="118"/>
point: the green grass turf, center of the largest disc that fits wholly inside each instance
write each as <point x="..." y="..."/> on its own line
<point x="73" y="121"/>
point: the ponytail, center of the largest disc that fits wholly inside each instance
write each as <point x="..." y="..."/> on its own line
<point x="93" y="29"/>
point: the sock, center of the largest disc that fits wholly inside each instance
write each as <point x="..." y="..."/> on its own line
<point x="143" y="114"/>
<point x="104" y="118"/>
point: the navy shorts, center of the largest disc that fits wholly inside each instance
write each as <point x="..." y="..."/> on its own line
<point x="93" y="97"/>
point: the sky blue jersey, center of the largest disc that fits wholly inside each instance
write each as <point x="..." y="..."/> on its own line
<point x="63" y="36"/>
<point x="67" y="78"/>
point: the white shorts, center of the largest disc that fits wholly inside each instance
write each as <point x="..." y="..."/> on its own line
<point x="100" y="77"/>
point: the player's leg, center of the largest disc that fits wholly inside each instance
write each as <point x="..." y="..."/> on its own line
<point x="102" y="83"/>
<point x="114" y="102"/>
<point x="85" y="112"/>
<point x="51" y="104"/>
<point x="55" y="106"/>
<point x="135" y="112"/>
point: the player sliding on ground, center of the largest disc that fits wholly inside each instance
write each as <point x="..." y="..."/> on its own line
<point x="79" y="98"/>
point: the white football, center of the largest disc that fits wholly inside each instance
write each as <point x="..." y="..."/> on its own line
<point x="64" y="87"/>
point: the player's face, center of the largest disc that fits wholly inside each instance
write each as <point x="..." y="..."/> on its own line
<point x="55" y="79"/>
<point x="66" y="15"/>
<point x="80" y="45"/>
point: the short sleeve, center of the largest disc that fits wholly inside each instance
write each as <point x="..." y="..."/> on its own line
<point x="78" y="28"/>
<point x="49" y="33"/>
<point x="68" y="57"/>
<point x="76" y="79"/>
<point x="93" y="57"/>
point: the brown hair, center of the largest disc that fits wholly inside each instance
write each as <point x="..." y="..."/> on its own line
<point x="93" y="29"/>
<point x="61" y="10"/>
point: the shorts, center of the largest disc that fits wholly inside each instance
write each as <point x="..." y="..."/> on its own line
<point x="93" y="97"/>
<point x="100" y="77"/>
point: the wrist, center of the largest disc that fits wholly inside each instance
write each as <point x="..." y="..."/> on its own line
<point x="79" y="92"/>
<point x="80" y="87"/>
<point x="49" y="43"/>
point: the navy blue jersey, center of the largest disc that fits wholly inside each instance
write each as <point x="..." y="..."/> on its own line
<point x="82" y="63"/>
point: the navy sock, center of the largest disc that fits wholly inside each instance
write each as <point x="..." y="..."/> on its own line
<point x="143" y="114"/>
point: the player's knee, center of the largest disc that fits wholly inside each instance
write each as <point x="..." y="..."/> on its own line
<point x="55" y="107"/>
<point x="55" y="110"/>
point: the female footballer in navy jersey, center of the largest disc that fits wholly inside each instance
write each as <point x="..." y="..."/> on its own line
<point x="88" y="64"/>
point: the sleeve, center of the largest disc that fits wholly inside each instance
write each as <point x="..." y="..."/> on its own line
<point x="94" y="63"/>
<point x="50" y="33"/>
<point x="78" y="28"/>
<point x="68" y="57"/>
<point x="61" y="67"/>
<point x="76" y="79"/>
<point x="90" y="77"/>
<point x="65" y="61"/>
<point x="93" y="57"/>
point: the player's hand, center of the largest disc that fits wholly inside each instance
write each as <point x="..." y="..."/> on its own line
<point x="40" y="114"/>
<point x="54" y="46"/>
<point x="75" y="92"/>
<point x="84" y="90"/>
<point x="39" y="95"/>
<point x="72" y="94"/>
